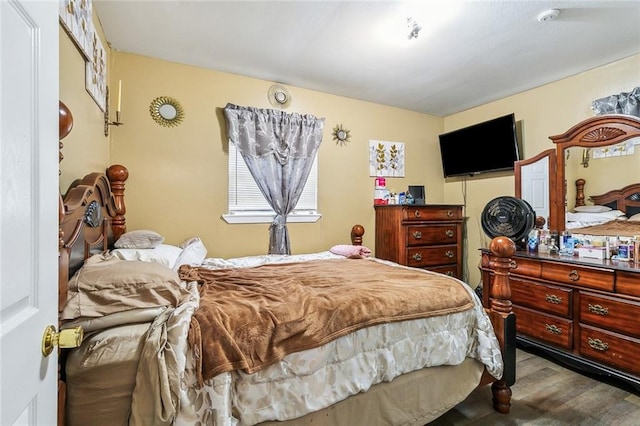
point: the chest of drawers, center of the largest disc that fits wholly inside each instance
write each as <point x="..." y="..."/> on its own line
<point x="585" y="312"/>
<point x="423" y="236"/>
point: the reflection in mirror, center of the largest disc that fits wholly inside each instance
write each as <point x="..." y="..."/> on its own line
<point x="606" y="172"/>
<point x="535" y="180"/>
<point x="607" y="168"/>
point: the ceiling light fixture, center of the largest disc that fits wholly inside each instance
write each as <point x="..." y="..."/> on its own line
<point x="414" y="28"/>
<point x="548" y="15"/>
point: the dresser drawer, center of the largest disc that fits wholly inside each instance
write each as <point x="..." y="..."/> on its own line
<point x="601" y="279"/>
<point x="450" y="270"/>
<point x="611" y="349"/>
<point x="610" y="313"/>
<point x="432" y="213"/>
<point x="628" y="283"/>
<point x="432" y="256"/>
<point x="546" y="298"/>
<point x="419" y="235"/>
<point x="530" y="268"/>
<point x="545" y="328"/>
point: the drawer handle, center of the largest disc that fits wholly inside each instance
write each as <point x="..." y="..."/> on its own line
<point x="574" y="275"/>
<point x="448" y="233"/>
<point x="449" y="213"/>
<point x="417" y="257"/>
<point x="552" y="298"/>
<point x="598" y="344"/>
<point x="598" y="309"/>
<point x="553" y="329"/>
<point x="450" y="273"/>
<point x="449" y="254"/>
<point x="417" y="213"/>
<point x="417" y="235"/>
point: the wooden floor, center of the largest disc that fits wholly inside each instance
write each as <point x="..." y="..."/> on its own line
<point x="547" y="394"/>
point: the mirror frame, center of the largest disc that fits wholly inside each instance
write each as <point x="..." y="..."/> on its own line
<point x="158" y="103"/>
<point x="594" y="132"/>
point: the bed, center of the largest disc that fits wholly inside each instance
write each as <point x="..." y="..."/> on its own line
<point x="613" y="214"/>
<point x="147" y="362"/>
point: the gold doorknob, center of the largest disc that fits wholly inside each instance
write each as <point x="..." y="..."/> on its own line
<point x="69" y="338"/>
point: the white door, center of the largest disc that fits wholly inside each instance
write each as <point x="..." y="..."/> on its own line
<point x="28" y="209"/>
<point x="535" y="187"/>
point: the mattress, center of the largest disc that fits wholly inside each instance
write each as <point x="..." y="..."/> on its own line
<point x="100" y="376"/>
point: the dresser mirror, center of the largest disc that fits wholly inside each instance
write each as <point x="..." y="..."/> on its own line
<point x="587" y="151"/>
<point x="580" y="154"/>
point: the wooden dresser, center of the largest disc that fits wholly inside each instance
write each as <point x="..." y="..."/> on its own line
<point x="585" y="312"/>
<point x="424" y="236"/>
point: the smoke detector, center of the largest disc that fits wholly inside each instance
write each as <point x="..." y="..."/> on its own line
<point x="548" y="15"/>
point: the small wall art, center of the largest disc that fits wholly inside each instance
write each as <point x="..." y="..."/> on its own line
<point x="76" y="17"/>
<point x="96" y="72"/>
<point x="386" y="158"/>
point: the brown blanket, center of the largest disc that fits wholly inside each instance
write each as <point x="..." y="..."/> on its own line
<point x="252" y="317"/>
<point x="623" y="228"/>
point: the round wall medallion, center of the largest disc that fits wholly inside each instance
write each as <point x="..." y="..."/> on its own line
<point x="341" y="135"/>
<point x="279" y="96"/>
<point x="166" y="111"/>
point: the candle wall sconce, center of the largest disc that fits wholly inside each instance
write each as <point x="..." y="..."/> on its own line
<point x="108" y="123"/>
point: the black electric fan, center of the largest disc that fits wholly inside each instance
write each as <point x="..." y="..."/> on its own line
<point x="508" y="216"/>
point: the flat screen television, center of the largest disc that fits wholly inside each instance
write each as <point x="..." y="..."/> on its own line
<point x="489" y="146"/>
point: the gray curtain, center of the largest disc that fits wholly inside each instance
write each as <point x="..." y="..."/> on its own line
<point x="623" y="103"/>
<point x="279" y="149"/>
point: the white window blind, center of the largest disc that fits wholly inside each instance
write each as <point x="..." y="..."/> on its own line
<point x="245" y="197"/>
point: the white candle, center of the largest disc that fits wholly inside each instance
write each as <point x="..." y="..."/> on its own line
<point x="119" y="96"/>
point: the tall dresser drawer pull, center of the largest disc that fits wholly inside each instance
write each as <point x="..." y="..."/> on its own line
<point x="417" y="213"/>
<point x="552" y="298"/>
<point x="449" y="254"/>
<point x="553" y="329"/>
<point x="598" y="344"/>
<point x="449" y="233"/>
<point x="417" y="257"/>
<point x="417" y="235"/>
<point x="449" y="213"/>
<point x="574" y="275"/>
<point x="451" y="273"/>
<point x="598" y="309"/>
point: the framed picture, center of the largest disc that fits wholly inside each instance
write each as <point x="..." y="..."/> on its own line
<point x="76" y="17"/>
<point x="386" y="158"/>
<point x="96" y="72"/>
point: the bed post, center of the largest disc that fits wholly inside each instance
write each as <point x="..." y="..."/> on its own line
<point x="503" y="319"/>
<point x="356" y="235"/>
<point x="117" y="176"/>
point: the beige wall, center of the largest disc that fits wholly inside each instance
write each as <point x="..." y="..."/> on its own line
<point x="178" y="176"/>
<point x="548" y="110"/>
<point x="86" y="148"/>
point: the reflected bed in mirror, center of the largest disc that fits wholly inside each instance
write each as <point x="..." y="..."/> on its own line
<point x="602" y="174"/>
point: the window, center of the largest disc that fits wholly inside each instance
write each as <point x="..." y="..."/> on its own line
<point x="248" y="205"/>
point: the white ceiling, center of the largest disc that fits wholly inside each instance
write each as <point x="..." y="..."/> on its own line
<point x="468" y="52"/>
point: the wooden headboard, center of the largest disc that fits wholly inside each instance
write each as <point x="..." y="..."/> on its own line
<point x="91" y="214"/>
<point x="92" y="218"/>
<point x="626" y="199"/>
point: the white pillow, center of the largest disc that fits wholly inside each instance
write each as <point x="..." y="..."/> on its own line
<point x="592" y="209"/>
<point x="193" y="253"/>
<point x="164" y="254"/>
<point x="142" y="239"/>
<point x="635" y="217"/>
